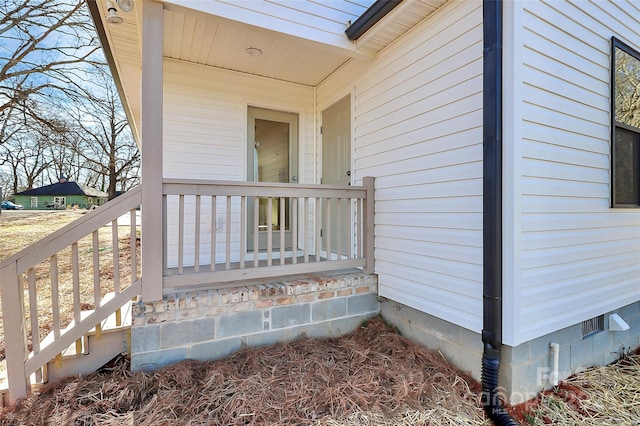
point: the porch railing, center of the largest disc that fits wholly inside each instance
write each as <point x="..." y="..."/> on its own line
<point x="214" y="232"/>
<point x="76" y="253"/>
<point x="222" y="231"/>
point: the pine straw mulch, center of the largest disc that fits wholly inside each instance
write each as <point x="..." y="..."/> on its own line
<point x="608" y="395"/>
<point x="370" y="377"/>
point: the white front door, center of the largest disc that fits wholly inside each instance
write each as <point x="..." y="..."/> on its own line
<point x="272" y="157"/>
<point x="336" y="170"/>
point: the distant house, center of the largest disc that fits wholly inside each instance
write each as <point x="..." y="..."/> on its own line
<point x="61" y="195"/>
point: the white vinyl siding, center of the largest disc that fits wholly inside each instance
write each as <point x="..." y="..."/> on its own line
<point x="417" y="128"/>
<point x="205" y="120"/>
<point x="205" y="131"/>
<point x="578" y="258"/>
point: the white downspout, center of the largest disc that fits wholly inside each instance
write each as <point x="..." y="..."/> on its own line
<point x="555" y="348"/>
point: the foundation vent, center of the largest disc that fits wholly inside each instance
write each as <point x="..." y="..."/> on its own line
<point x="592" y="326"/>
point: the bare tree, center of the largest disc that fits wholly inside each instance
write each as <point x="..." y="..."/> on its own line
<point x="46" y="46"/>
<point x="54" y="119"/>
<point x="60" y="152"/>
<point x="627" y="89"/>
<point x="25" y="156"/>
<point x="104" y="138"/>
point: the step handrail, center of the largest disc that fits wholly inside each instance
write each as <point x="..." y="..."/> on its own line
<point x="74" y="231"/>
<point x="20" y="364"/>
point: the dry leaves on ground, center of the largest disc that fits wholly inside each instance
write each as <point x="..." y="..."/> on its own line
<point x="370" y="377"/>
<point x="608" y="395"/>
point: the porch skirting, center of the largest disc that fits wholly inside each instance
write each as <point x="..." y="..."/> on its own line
<point x="211" y="324"/>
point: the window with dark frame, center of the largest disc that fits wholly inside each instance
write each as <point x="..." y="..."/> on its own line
<point x="625" y="125"/>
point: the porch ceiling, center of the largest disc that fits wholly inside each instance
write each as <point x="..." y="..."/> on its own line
<point x="211" y="40"/>
<point x="222" y="43"/>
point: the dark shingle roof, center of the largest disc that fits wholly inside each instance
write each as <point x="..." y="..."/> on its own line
<point x="64" y="188"/>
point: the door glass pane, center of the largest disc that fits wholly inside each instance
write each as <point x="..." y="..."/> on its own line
<point x="271" y="164"/>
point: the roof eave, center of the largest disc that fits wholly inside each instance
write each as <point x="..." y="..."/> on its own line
<point x="370" y="17"/>
<point x="108" y="54"/>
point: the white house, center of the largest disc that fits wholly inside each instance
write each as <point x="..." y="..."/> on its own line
<point x="445" y="151"/>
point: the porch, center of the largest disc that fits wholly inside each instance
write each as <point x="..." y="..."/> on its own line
<point x="215" y="241"/>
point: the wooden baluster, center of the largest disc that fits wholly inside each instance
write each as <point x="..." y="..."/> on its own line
<point x="116" y="256"/>
<point x="269" y="230"/>
<point x="256" y="231"/>
<point x="318" y="225"/>
<point x="97" y="297"/>
<point x="228" y="229"/>
<point x="55" y="295"/>
<point x="359" y="227"/>
<point x="281" y="223"/>
<point x="95" y="247"/>
<point x="243" y="230"/>
<point x="214" y="227"/>
<point x="196" y="258"/>
<point x="181" y="234"/>
<point x="327" y="232"/>
<point x="116" y="266"/>
<point x="294" y="230"/>
<point x="55" y="303"/>
<point x="76" y="290"/>
<point x="305" y="225"/>
<point x="339" y="229"/>
<point x="134" y="245"/>
<point x="33" y="312"/>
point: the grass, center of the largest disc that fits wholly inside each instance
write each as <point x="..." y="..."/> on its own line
<point x="20" y="229"/>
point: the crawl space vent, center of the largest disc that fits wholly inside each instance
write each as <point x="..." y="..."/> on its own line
<point x="592" y="326"/>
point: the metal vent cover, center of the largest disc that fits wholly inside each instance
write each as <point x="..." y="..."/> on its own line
<point x="592" y="326"/>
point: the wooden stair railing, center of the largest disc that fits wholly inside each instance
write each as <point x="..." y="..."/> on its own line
<point x="25" y="274"/>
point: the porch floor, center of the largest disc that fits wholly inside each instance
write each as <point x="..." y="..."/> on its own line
<point x="262" y="263"/>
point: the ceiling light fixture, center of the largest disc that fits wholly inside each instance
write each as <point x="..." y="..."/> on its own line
<point x="253" y="51"/>
<point x="113" y="17"/>
<point x="125" y="5"/>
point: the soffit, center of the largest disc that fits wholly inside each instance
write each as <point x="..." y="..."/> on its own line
<point x="397" y="22"/>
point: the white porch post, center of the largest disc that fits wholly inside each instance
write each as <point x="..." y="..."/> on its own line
<point x="151" y="136"/>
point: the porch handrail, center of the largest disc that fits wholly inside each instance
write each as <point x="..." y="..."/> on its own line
<point x="21" y="364"/>
<point x="303" y="238"/>
<point x="63" y="237"/>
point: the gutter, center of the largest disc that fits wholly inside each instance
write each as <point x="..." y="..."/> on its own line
<point x="492" y="212"/>
<point x="370" y="17"/>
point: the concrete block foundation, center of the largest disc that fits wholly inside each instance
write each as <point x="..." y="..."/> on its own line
<point x="525" y="369"/>
<point x="212" y="324"/>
